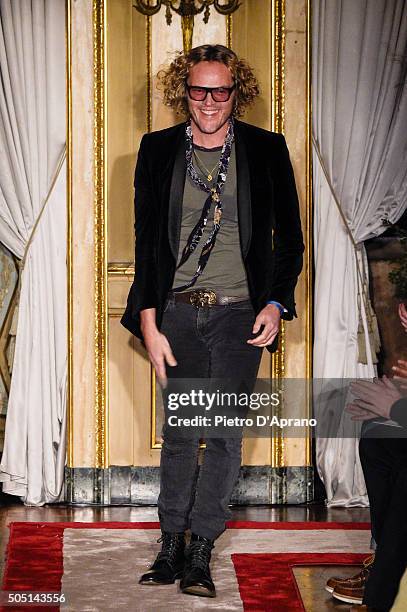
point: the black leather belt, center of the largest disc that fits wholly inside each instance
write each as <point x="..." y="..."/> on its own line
<point x="206" y="297"/>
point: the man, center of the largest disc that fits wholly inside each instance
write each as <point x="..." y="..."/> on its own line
<point x="211" y="281"/>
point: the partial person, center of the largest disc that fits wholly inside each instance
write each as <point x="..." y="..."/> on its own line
<point x="384" y="462"/>
<point x="383" y="453"/>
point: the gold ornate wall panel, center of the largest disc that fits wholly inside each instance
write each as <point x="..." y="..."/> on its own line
<point x="83" y="416"/>
<point x="296" y="123"/>
<point x="111" y="409"/>
<point x="251" y="24"/>
<point x="126" y="112"/>
<point x="282" y="65"/>
<point x="100" y="231"/>
<point x="69" y="152"/>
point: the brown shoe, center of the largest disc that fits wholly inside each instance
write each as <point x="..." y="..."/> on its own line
<point x="336" y="581"/>
<point x="349" y="594"/>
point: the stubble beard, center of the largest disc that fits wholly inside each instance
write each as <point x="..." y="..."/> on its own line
<point x="206" y="130"/>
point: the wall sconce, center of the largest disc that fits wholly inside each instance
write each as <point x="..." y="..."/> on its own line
<point x="187" y="9"/>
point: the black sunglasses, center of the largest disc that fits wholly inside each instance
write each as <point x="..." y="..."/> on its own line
<point x="219" y="94"/>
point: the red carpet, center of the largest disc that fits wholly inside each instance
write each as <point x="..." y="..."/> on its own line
<point x="35" y="562"/>
<point x="266" y="581"/>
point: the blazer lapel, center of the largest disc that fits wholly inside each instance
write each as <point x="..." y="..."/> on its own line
<point x="243" y="191"/>
<point x="176" y="194"/>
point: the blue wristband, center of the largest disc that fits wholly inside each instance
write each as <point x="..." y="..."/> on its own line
<point x="279" y="306"/>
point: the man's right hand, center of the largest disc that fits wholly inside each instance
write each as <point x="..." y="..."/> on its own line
<point x="157" y="345"/>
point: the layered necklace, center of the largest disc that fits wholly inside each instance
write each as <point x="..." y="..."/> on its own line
<point x="214" y="195"/>
<point x="204" y="169"/>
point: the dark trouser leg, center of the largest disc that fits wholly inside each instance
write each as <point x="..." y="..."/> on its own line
<point x="218" y="475"/>
<point x="380" y="458"/>
<point x="178" y="465"/>
<point x="226" y="333"/>
<point x="377" y="472"/>
<point x="384" y="464"/>
<point x="209" y="342"/>
<point x="178" y="468"/>
<point x="391" y="555"/>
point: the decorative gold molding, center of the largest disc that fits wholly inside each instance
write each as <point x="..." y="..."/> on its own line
<point x="229" y="31"/>
<point x="100" y="230"/>
<point x="308" y="228"/>
<point x="278" y="65"/>
<point x="149" y="127"/>
<point x="69" y="441"/>
<point x="278" y="119"/>
<point x="120" y="269"/>
<point x="149" y="105"/>
<point x="153" y="424"/>
<point x="278" y="116"/>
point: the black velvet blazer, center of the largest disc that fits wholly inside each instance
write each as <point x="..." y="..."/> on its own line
<point x="269" y="221"/>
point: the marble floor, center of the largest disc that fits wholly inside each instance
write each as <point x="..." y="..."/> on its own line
<point x="310" y="580"/>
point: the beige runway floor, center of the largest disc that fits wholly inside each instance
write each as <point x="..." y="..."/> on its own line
<point x="122" y="579"/>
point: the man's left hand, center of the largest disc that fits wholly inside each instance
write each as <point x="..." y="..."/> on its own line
<point x="403" y="315"/>
<point x="270" y="318"/>
<point x="400" y="370"/>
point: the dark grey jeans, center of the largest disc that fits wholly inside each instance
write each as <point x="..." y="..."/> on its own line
<point x="207" y="343"/>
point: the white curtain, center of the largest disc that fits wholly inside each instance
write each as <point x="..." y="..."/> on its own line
<point x="359" y="131"/>
<point x="33" y="227"/>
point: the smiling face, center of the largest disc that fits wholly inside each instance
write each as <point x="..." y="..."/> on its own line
<point x="209" y="118"/>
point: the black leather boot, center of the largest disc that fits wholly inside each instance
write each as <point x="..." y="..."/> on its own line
<point x="169" y="564"/>
<point x="197" y="575"/>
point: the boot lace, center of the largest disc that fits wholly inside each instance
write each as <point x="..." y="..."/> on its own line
<point x="170" y="547"/>
<point x="200" y="554"/>
<point x="369" y="561"/>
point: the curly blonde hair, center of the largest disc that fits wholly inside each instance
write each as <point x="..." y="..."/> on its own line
<point x="173" y="80"/>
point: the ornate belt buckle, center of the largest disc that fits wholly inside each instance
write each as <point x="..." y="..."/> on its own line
<point x="201" y="298"/>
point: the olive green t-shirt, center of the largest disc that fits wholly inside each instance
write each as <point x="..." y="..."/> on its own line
<point x="224" y="271"/>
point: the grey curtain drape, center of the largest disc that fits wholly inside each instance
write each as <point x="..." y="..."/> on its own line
<point x="359" y="131"/>
<point x="33" y="227"/>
